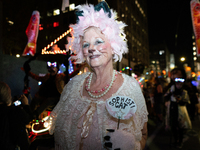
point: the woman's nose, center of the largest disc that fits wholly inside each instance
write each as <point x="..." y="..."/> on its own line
<point x="91" y="50"/>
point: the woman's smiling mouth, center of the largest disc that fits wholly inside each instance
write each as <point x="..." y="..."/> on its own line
<point x="94" y="56"/>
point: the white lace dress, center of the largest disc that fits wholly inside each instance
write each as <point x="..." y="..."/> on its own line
<point x="80" y="123"/>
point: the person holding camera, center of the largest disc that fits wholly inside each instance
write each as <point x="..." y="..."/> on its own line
<point x="14" y="119"/>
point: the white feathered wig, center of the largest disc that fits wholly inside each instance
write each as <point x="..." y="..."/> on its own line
<point x="105" y="19"/>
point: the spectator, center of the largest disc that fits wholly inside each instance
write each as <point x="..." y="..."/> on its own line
<point x="193" y="95"/>
<point x="178" y="118"/>
<point x="49" y="92"/>
<point x="13" y="132"/>
<point x="158" y="99"/>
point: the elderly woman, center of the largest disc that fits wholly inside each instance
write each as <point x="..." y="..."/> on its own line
<point x="81" y="119"/>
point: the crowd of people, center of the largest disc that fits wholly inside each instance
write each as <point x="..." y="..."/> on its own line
<point x="175" y="103"/>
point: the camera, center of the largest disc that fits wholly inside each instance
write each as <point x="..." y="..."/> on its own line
<point x="17" y="103"/>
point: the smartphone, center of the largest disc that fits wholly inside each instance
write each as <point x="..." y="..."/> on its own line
<point x="17" y="103"/>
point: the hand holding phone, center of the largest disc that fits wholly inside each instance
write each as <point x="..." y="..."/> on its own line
<point x="17" y="103"/>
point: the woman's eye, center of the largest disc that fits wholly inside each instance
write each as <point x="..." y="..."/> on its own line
<point x="99" y="42"/>
<point x="85" y="45"/>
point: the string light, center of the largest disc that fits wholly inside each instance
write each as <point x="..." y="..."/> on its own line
<point x="128" y="68"/>
<point x="54" y="42"/>
<point x="46" y="125"/>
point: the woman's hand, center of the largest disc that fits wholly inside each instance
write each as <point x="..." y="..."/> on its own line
<point x="119" y="140"/>
<point x="24" y="99"/>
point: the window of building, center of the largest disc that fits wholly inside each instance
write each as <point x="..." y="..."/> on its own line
<point x="161" y="52"/>
<point x="40" y="27"/>
<point x="49" y="25"/>
<point x="55" y="24"/>
<point x="10" y="22"/>
<point x="56" y="12"/>
<point x="49" y="13"/>
<point x="71" y="7"/>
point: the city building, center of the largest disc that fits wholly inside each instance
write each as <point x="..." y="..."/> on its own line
<point x="55" y="20"/>
<point x="161" y="62"/>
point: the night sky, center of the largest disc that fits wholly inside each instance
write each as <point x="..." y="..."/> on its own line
<point x="166" y="18"/>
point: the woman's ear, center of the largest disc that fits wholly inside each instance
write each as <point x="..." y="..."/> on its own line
<point x="113" y="52"/>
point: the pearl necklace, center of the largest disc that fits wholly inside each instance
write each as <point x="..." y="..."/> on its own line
<point x="106" y="89"/>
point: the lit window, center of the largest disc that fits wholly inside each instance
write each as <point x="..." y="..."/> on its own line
<point x="122" y="15"/>
<point x="49" y="25"/>
<point x="161" y="52"/>
<point x="193" y="37"/>
<point x="194" y="53"/>
<point x="56" y="12"/>
<point x="194" y="48"/>
<point x="195" y="58"/>
<point x="55" y="24"/>
<point x="10" y="22"/>
<point x="40" y="27"/>
<point x="17" y="55"/>
<point x="153" y="62"/>
<point x="71" y="7"/>
<point x="126" y="8"/>
<point x="193" y="43"/>
<point x="49" y="13"/>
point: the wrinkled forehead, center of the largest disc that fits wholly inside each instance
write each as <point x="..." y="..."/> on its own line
<point x="92" y="31"/>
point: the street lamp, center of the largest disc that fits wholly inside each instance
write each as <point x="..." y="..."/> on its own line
<point x="182" y="59"/>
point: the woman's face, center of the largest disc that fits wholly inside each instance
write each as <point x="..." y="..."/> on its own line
<point x="96" y="48"/>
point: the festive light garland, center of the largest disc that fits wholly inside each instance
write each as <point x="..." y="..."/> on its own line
<point x="55" y="41"/>
<point x="127" y="68"/>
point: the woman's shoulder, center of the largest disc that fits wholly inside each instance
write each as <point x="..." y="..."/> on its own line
<point x="75" y="81"/>
<point x="80" y="77"/>
<point x="129" y="80"/>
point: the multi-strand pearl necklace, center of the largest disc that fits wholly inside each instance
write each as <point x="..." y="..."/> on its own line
<point x="106" y="89"/>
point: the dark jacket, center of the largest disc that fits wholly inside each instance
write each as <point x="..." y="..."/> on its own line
<point x="13" y="127"/>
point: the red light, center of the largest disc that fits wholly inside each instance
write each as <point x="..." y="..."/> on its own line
<point x="55" y="24"/>
<point x="40" y="28"/>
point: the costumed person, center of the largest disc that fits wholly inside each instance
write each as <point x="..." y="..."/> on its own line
<point x="13" y="134"/>
<point x="177" y="116"/>
<point x="82" y="118"/>
<point x="50" y="90"/>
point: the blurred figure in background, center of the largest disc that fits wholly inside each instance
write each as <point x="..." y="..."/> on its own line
<point x="177" y="116"/>
<point x="49" y="92"/>
<point x="158" y="99"/>
<point x="193" y="95"/>
<point x="13" y="118"/>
